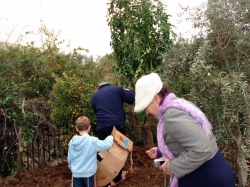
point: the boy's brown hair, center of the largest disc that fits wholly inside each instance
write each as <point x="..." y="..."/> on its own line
<point x="82" y="123"/>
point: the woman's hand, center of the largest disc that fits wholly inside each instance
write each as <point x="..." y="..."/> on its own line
<point x="165" y="167"/>
<point x="152" y="153"/>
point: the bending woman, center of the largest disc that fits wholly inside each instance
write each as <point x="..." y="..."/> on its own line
<point x="184" y="136"/>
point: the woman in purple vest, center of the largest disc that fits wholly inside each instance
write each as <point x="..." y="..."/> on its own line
<point x="185" y="138"/>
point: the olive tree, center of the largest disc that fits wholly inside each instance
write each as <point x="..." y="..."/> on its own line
<point x="212" y="70"/>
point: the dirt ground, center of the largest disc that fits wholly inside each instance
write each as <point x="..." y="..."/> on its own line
<point x="145" y="174"/>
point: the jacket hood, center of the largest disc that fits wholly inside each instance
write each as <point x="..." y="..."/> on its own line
<point x="79" y="141"/>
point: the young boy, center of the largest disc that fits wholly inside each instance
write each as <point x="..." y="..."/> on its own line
<point x="82" y="153"/>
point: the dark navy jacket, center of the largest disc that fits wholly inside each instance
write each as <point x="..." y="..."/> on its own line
<point x="107" y="103"/>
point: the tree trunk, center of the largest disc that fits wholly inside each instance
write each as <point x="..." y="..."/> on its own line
<point x="20" y="146"/>
<point x="241" y="159"/>
<point x="20" y="153"/>
<point x="242" y="168"/>
<point x="148" y="125"/>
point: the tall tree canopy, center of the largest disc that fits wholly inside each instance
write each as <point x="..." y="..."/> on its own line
<point x="140" y="33"/>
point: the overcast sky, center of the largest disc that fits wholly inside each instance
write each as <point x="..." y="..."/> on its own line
<point x="83" y="22"/>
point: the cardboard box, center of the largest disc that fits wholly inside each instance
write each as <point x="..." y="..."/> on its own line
<point x="112" y="160"/>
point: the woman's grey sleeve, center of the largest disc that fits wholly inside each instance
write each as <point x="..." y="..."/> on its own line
<point x="197" y="147"/>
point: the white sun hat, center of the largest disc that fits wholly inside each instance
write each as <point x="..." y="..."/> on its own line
<point x="145" y="89"/>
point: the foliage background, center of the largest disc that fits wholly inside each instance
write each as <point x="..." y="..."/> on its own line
<point x="43" y="87"/>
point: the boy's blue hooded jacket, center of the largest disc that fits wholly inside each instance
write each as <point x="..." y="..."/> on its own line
<point x="82" y="154"/>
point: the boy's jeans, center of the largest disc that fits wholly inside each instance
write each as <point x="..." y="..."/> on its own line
<point x="83" y="182"/>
